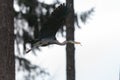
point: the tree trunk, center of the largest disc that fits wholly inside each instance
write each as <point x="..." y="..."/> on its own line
<point x="7" y="62"/>
<point x="70" y="49"/>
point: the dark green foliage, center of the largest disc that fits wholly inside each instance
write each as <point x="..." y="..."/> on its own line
<point x="26" y="65"/>
<point x="85" y="15"/>
<point x="34" y="14"/>
<point x="31" y="16"/>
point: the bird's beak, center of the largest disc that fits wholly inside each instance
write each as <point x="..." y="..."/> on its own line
<point x="77" y="43"/>
<point x="74" y="42"/>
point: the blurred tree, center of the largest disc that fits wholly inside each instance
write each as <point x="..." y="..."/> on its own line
<point x="70" y="49"/>
<point x="7" y="60"/>
<point x="29" y="16"/>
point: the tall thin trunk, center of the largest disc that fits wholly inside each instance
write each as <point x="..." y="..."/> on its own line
<point x="70" y="49"/>
<point x="7" y="62"/>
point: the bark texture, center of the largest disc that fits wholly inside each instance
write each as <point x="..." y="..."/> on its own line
<point x="70" y="49"/>
<point x="7" y="62"/>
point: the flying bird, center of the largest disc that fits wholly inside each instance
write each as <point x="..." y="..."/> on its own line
<point x="50" y="28"/>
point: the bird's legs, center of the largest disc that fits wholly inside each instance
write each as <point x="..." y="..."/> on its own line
<point x="36" y="45"/>
<point x="31" y="49"/>
<point x="65" y="42"/>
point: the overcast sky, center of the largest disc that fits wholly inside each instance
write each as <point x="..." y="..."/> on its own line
<point x="99" y="57"/>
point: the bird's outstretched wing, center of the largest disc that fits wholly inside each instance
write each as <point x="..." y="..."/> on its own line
<point x="54" y="22"/>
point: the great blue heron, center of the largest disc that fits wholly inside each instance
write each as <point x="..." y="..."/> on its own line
<point x="50" y="28"/>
